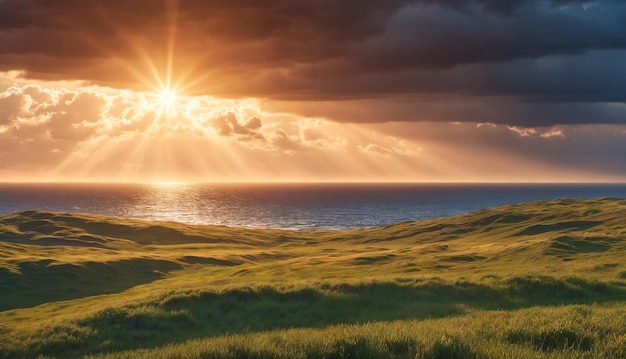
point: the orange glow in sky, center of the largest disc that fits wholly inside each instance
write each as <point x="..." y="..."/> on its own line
<point x="256" y="91"/>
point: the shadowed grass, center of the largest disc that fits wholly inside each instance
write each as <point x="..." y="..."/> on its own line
<point x="41" y="281"/>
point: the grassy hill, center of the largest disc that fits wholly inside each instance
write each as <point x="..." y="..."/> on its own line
<point x="538" y="279"/>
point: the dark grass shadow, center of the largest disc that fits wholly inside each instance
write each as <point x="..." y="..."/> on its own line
<point x="547" y="340"/>
<point x="570" y="225"/>
<point x="44" y="281"/>
<point x="577" y="245"/>
<point x="210" y="261"/>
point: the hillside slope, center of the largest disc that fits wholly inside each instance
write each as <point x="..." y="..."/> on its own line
<point x="117" y="284"/>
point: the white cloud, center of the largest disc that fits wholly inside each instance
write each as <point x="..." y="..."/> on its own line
<point x="523" y="131"/>
<point x="553" y="132"/>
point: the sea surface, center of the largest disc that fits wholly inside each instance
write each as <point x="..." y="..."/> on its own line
<point x="294" y="206"/>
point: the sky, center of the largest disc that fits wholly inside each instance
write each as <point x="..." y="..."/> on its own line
<point x="313" y="90"/>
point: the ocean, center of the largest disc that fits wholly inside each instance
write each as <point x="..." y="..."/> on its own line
<point x="294" y="206"/>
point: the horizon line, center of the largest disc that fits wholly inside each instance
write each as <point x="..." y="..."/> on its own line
<point x="243" y="182"/>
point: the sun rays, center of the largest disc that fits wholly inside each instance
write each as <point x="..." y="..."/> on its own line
<point x="164" y="136"/>
<point x="161" y="131"/>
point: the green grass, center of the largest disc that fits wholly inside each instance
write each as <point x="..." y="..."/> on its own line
<point x="532" y="280"/>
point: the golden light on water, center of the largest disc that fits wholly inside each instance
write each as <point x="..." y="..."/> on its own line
<point x="168" y="201"/>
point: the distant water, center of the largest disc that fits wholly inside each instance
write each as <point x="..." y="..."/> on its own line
<point x="298" y="206"/>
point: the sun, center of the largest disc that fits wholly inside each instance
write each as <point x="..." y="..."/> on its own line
<point x="167" y="97"/>
<point x="167" y="101"/>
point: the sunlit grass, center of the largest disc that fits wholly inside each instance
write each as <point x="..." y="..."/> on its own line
<point x="541" y="279"/>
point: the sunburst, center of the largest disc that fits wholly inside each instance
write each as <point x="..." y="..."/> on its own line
<point x="167" y="101"/>
<point x="167" y="97"/>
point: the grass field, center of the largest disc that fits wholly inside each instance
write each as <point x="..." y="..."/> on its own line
<point x="531" y="280"/>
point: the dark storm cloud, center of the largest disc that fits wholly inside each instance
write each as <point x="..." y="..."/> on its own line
<point x="558" y="51"/>
<point x="422" y="36"/>
<point x="496" y="110"/>
<point x="505" y="7"/>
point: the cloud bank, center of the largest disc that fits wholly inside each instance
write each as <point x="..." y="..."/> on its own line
<point x="523" y="62"/>
<point x="69" y="131"/>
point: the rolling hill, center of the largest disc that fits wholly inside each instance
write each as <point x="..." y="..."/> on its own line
<point x="537" y="279"/>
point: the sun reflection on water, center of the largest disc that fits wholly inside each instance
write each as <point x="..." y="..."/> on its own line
<point x="171" y="201"/>
<point x="293" y="206"/>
